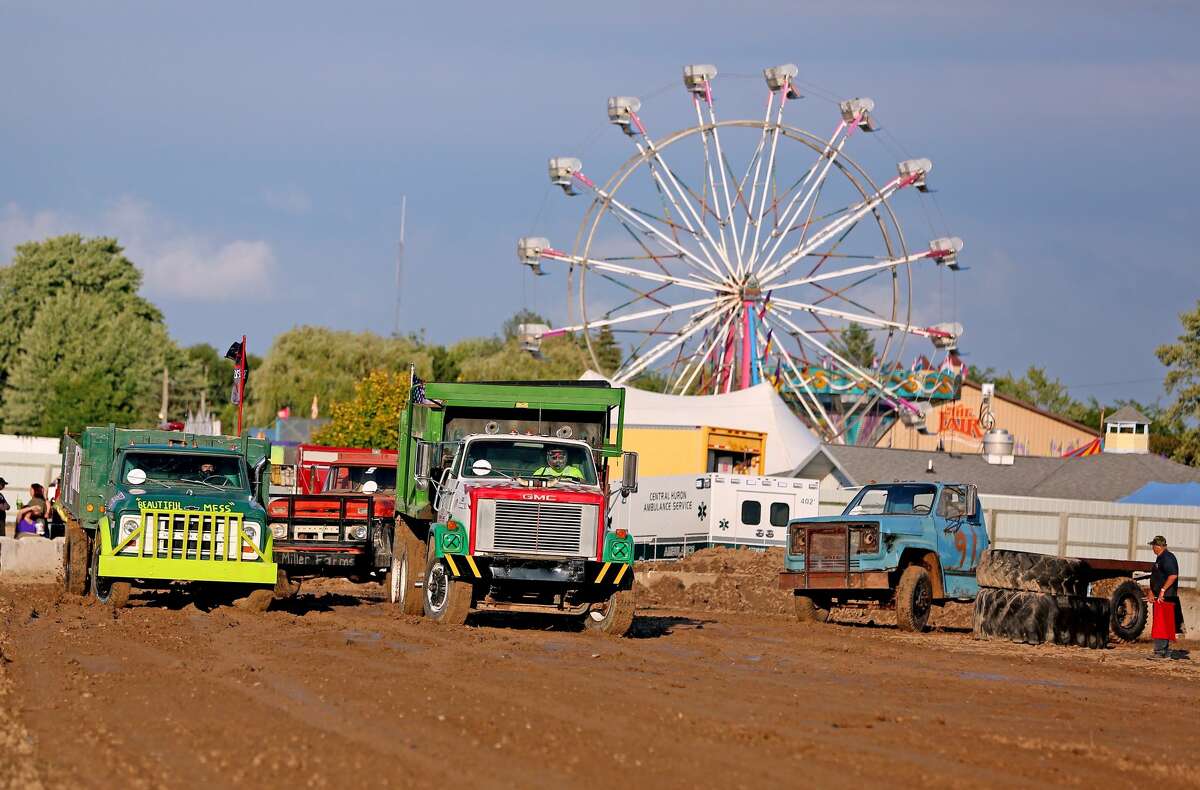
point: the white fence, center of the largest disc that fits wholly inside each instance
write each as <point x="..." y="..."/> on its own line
<point x="1080" y="528"/>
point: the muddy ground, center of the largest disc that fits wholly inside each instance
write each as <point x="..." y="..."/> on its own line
<point x="336" y="689"/>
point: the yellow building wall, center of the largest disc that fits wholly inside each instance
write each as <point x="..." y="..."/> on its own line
<point x="683" y="450"/>
<point x="956" y="425"/>
<point x="1119" y="442"/>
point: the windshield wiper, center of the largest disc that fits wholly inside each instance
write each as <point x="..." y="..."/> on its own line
<point x="203" y="483"/>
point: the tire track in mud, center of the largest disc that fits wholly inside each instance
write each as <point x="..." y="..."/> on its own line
<point x="338" y="689"/>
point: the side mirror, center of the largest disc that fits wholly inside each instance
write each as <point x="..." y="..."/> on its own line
<point x="424" y="462"/>
<point x="629" y="473"/>
<point x="258" y="470"/>
<point x="972" y="500"/>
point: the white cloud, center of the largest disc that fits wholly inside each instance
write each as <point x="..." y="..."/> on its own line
<point x="289" y="199"/>
<point x="177" y="262"/>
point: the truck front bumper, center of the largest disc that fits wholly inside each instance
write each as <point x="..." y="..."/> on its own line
<point x="248" y="572"/>
<point x="834" y="580"/>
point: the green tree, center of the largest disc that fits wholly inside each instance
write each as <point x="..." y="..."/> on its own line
<point x="86" y="360"/>
<point x="1182" y="360"/>
<point x="856" y="344"/>
<point x="560" y="358"/>
<point x="608" y="352"/>
<point x="509" y="331"/>
<point x="41" y="270"/>
<point x="1039" y="389"/>
<point x="372" y="417"/>
<point x="313" y="361"/>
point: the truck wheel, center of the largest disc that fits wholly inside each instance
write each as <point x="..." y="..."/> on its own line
<point x="914" y="599"/>
<point x="445" y="600"/>
<point x="614" y="617"/>
<point x="257" y="601"/>
<point x="1128" y="610"/>
<point x="76" y="551"/>
<point x="809" y="611"/>
<point x="105" y="590"/>
<point x="1006" y="569"/>
<point x="408" y="565"/>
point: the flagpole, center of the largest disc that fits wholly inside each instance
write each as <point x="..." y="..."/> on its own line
<point x="241" y="384"/>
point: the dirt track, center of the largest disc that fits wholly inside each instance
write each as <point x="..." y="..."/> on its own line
<point x="337" y="689"/>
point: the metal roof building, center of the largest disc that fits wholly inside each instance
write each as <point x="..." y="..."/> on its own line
<point x="1105" y="477"/>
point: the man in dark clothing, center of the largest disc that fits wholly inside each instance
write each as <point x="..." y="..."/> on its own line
<point x="1164" y="584"/>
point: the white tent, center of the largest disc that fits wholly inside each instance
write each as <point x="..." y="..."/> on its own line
<point x="789" y="441"/>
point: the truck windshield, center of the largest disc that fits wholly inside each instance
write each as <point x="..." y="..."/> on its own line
<point x="528" y="458"/>
<point x="351" y="478"/>
<point x="217" y="471"/>
<point x="905" y="499"/>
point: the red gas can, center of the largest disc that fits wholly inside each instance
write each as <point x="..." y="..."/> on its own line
<point x="1164" y="621"/>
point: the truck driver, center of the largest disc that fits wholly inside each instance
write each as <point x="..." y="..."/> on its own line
<point x="556" y="466"/>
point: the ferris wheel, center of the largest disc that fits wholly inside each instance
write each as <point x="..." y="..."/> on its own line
<point x="736" y="252"/>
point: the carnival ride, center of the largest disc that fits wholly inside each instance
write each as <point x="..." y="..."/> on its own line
<point x="711" y="278"/>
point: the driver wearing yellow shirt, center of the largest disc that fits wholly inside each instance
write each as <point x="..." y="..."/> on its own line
<point x="556" y="466"/>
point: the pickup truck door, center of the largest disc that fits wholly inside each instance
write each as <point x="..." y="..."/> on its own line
<point x="961" y="541"/>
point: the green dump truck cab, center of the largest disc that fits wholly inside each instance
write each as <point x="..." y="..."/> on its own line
<point x="502" y="503"/>
<point x="148" y="507"/>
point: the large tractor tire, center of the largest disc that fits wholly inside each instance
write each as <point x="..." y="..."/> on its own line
<point x="809" y="611"/>
<point x="445" y="600"/>
<point x="77" y="556"/>
<point x="1035" y="618"/>
<point x="614" y="617"/>
<point x="107" y="591"/>
<point x="1006" y="569"/>
<point x="1127" y="605"/>
<point x="914" y="599"/>
<point x="406" y="570"/>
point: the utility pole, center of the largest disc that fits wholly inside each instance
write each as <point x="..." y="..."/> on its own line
<point x="400" y="266"/>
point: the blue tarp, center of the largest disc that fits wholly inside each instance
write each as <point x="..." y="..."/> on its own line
<point x="1165" y="494"/>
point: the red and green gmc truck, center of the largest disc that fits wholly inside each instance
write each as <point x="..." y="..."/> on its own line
<point x="502" y="503"/>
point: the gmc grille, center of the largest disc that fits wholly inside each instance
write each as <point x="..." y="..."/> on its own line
<point x="544" y="528"/>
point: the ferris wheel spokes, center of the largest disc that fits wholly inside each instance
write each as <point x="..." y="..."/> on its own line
<point x="540" y="248"/>
<point x="570" y="170"/>
<point x="792" y="211"/>
<point x="696" y="364"/>
<point x="623" y="111"/>
<point x="855" y="213"/>
<point x="697" y="322"/>
<point x="938" y="254"/>
<point x="791" y="363"/>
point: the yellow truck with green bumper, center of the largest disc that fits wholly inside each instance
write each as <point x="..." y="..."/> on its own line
<point x="148" y="508"/>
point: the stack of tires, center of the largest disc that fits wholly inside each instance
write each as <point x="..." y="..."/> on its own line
<point x="1037" y="598"/>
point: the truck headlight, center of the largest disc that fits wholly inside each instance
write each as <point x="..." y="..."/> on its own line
<point x="796" y="541"/>
<point x="868" y="540"/>
<point x="356" y="533"/>
<point x="253" y="531"/>
<point x="127" y="526"/>
<point x="279" y="529"/>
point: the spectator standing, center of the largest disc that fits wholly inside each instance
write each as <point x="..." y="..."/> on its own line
<point x="37" y="509"/>
<point x="1164" y="587"/>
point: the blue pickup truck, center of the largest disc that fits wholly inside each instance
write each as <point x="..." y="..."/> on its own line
<point x="903" y="545"/>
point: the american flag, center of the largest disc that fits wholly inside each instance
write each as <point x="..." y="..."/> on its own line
<point x="418" y="394"/>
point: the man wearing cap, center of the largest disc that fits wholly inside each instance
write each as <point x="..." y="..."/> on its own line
<point x="1164" y="586"/>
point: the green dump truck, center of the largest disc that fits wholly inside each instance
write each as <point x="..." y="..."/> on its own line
<point x="502" y="502"/>
<point x="147" y="507"/>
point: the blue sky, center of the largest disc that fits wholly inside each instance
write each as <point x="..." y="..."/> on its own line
<point x="252" y="156"/>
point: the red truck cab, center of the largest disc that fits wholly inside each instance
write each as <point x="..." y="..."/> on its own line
<point x="340" y="525"/>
